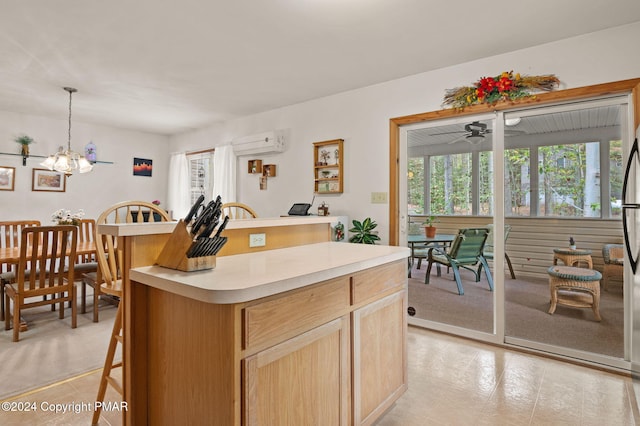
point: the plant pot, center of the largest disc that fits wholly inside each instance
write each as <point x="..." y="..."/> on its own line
<point x="430" y="231"/>
<point x="573" y="247"/>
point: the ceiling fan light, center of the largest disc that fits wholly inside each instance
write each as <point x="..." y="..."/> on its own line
<point x="475" y="139"/>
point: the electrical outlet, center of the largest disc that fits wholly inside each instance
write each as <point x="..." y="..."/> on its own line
<point x="379" y="198"/>
<point x="257" y="240"/>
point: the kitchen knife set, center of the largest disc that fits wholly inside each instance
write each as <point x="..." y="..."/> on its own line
<point x="203" y="221"/>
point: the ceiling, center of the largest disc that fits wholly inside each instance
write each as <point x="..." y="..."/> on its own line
<point x="169" y="66"/>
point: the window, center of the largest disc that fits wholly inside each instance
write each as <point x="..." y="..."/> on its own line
<point x="615" y="177"/>
<point x="450" y="184"/>
<point x="559" y="161"/>
<point x="201" y="174"/>
<point x="517" y="191"/>
<point x="415" y="178"/>
<point x="569" y="180"/>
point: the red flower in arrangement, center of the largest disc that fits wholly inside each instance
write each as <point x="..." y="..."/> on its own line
<point x="505" y="87"/>
<point x="504" y="84"/>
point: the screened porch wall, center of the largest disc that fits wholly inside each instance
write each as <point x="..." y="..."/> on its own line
<point x="532" y="240"/>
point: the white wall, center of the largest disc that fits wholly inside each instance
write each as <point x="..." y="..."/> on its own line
<point x="107" y="184"/>
<point x="361" y="118"/>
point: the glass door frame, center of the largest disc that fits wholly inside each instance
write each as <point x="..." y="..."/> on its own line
<point x="398" y="210"/>
<point x="497" y="336"/>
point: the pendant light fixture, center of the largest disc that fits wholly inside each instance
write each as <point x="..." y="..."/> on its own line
<point x="68" y="161"/>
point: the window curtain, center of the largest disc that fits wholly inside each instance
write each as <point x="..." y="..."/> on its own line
<point x="178" y="194"/>
<point x="224" y="174"/>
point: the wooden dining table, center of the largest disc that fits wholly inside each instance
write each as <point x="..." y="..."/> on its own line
<point x="11" y="255"/>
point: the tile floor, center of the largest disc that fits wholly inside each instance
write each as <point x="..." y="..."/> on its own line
<point x="452" y="381"/>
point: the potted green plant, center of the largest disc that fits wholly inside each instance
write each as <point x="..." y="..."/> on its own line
<point x="362" y="232"/>
<point x="24" y="142"/>
<point x="572" y="243"/>
<point x="429" y="229"/>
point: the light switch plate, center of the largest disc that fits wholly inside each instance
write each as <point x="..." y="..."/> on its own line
<point x="257" y="240"/>
<point x="379" y="198"/>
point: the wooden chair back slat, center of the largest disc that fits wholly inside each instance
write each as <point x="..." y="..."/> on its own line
<point x="44" y="266"/>
<point x="108" y="255"/>
<point x="11" y="234"/>
<point x="238" y="211"/>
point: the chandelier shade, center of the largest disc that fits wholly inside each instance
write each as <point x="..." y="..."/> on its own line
<point x="68" y="161"/>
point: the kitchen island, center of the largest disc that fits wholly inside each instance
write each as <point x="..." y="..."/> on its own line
<point x="314" y="334"/>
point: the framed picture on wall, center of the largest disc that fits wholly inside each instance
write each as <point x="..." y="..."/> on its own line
<point x="47" y="180"/>
<point x="142" y="167"/>
<point x="7" y="178"/>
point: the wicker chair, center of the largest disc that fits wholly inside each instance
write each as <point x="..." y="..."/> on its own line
<point x="613" y="255"/>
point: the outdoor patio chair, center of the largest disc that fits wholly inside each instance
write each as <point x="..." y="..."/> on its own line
<point x="488" y="248"/>
<point x="465" y="252"/>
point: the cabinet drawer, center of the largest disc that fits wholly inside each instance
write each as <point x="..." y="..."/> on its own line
<point x="374" y="281"/>
<point x="274" y="320"/>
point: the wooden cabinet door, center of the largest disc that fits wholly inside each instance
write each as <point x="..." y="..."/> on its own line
<point x="302" y="381"/>
<point x="379" y="356"/>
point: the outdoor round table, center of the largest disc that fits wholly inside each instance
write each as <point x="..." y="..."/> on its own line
<point x="572" y="257"/>
<point x="575" y="287"/>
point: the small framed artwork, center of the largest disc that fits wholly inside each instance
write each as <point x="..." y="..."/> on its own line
<point x="7" y="178"/>
<point x="46" y="180"/>
<point x="142" y="167"/>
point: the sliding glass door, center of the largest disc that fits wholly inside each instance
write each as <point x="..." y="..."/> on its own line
<point x="563" y="191"/>
<point x="556" y="175"/>
<point x="449" y="169"/>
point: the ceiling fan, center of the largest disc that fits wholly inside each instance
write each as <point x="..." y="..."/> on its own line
<point x="474" y="133"/>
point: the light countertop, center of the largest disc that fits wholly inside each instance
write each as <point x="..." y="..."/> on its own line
<point x="132" y="229"/>
<point x="244" y="277"/>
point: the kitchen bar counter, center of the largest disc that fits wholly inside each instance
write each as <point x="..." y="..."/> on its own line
<point x="275" y="232"/>
<point x="314" y="334"/>
<point x="124" y="229"/>
<point x="244" y="277"/>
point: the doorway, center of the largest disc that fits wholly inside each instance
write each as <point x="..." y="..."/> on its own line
<point x="551" y="183"/>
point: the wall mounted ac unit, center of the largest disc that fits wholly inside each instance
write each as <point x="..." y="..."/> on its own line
<point x="262" y="143"/>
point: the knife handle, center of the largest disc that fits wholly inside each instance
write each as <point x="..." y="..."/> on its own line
<point x="194" y="209"/>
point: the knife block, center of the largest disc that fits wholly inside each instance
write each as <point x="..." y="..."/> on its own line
<point x="174" y="253"/>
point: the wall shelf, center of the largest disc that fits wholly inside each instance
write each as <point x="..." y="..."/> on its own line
<point x="254" y="166"/>
<point x="327" y="166"/>
<point x="24" y="158"/>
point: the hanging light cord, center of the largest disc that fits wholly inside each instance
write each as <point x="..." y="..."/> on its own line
<point x="70" y="90"/>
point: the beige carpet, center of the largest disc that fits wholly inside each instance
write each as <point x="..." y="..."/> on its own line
<point x="526" y="307"/>
<point x="50" y="350"/>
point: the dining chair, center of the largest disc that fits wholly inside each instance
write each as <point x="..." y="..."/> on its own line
<point x="465" y="252"/>
<point x="86" y="262"/>
<point x="124" y="212"/>
<point x="10" y="235"/>
<point x="238" y="211"/>
<point x="107" y="280"/>
<point x="45" y="268"/>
